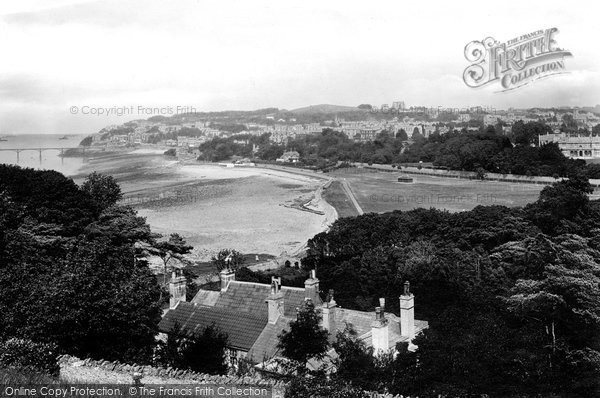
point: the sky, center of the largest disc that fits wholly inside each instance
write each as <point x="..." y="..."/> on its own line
<point x="64" y="61"/>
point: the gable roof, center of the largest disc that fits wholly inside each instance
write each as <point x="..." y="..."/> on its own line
<point x="249" y="297"/>
<point x="242" y="328"/>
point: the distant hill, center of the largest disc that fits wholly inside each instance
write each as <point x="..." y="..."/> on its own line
<point x="325" y="108"/>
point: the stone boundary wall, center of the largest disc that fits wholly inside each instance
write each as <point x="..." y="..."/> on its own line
<point x="74" y="370"/>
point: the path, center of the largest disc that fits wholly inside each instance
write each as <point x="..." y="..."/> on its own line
<point x="350" y="194"/>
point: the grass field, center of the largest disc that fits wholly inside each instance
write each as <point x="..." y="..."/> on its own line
<point x="335" y="196"/>
<point x="381" y="192"/>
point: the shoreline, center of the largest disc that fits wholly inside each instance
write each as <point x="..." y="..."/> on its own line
<point x="250" y="209"/>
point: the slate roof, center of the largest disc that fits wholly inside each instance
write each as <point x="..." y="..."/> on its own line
<point x="241" y="311"/>
<point x="206" y="297"/>
<point x="243" y="329"/>
<point x="361" y="322"/>
<point x="250" y="297"/>
<point x="265" y="346"/>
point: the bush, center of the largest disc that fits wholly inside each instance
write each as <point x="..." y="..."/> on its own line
<point x="308" y="387"/>
<point x="170" y="152"/>
<point x="29" y="356"/>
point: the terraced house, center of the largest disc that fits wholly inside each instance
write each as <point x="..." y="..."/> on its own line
<point x="253" y="315"/>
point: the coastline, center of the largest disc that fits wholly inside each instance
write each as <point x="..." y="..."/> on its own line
<point x="271" y="210"/>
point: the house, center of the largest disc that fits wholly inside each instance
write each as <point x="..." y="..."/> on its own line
<point x="575" y="147"/>
<point x="291" y="156"/>
<point x="253" y="315"/>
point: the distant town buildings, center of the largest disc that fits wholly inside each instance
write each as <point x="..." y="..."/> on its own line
<point x="576" y="147"/>
<point x="393" y="119"/>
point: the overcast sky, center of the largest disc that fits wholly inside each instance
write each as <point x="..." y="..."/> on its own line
<point x="221" y="55"/>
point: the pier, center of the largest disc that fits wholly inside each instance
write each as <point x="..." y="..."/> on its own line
<point x="40" y="150"/>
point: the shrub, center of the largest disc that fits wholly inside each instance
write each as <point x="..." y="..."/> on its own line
<point x="29" y="356"/>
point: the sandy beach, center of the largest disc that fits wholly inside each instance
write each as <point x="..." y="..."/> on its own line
<point x="250" y="209"/>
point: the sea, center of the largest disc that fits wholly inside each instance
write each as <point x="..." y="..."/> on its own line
<point x="49" y="158"/>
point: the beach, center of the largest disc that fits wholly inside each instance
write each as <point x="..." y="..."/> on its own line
<point x="249" y="209"/>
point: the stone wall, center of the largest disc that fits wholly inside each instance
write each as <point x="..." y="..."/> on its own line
<point x="77" y="371"/>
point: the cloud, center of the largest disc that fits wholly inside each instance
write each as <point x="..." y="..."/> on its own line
<point x="234" y="54"/>
<point x="98" y="13"/>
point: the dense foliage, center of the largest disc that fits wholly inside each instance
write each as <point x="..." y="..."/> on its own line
<point x="68" y="269"/>
<point x="305" y="339"/>
<point x="28" y="356"/>
<point x="512" y="295"/>
<point x="495" y="152"/>
<point x="482" y="150"/>
<point x="203" y="352"/>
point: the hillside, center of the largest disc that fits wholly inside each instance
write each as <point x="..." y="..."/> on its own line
<point x="326" y="108"/>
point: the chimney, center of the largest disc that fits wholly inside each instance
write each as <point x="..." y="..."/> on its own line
<point x="311" y="287"/>
<point x="329" y="311"/>
<point x="177" y="289"/>
<point x="275" y="300"/>
<point x="407" y="312"/>
<point x="226" y="275"/>
<point x="380" y="332"/>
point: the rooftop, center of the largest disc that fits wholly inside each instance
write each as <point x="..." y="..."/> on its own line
<point x="243" y="329"/>
<point x="249" y="297"/>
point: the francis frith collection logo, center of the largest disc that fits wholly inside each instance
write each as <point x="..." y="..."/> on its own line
<point x="515" y="63"/>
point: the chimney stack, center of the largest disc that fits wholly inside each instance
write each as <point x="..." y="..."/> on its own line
<point x="380" y="332"/>
<point x="177" y="289"/>
<point x="407" y="312"/>
<point x="329" y="311"/>
<point x="275" y="300"/>
<point x="226" y="275"/>
<point x="311" y="287"/>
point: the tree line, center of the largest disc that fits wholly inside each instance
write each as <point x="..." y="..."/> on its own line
<point x="485" y="149"/>
<point x="74" y="279"/>
<point x="512" y="295"/>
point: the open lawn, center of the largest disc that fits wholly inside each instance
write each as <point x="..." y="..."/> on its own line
<point x="381" y="192"/>
<point x="335" y="196"/>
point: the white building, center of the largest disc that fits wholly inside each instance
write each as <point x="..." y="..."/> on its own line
<point x="576" y="147"/>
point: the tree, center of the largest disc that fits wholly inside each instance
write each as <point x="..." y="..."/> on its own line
<point x="121" y="225"/>
<point x="416" y="135"/>
<point x="103" y="189"/>
<point x="203" y="351"/>
<point x="561" y="205"/>
<point x="318" y="386"/>
<point x="401" y="135"/>
<point x="87" y="141"/>
<point x="92" y="298"/>
<point x="481" y="173"/>
<point x="355" y="363"/>
<point x="228" y="258"/>
<point x="305" y="339"/>
<point x="174" y="247"/>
